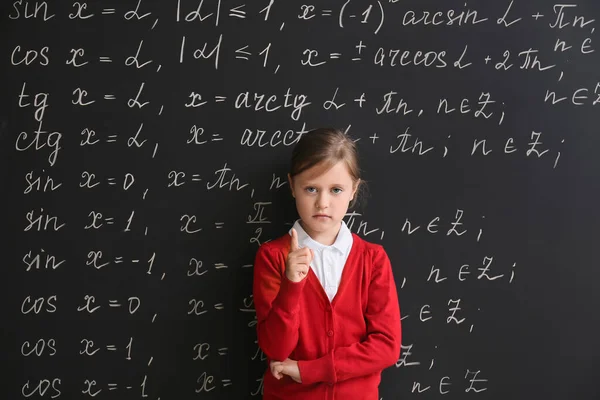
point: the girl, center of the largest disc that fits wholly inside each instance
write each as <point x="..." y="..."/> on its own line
<point x="325" y="299"/>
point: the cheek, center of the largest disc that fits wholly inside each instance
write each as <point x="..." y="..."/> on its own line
<point x="303" y="202"/>
<point x="342" y="201"/>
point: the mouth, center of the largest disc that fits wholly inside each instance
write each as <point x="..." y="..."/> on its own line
<point x="321" y="216"/>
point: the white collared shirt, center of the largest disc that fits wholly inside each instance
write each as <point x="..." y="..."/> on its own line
<point x="329" y="261"/>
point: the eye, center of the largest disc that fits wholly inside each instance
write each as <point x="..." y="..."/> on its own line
<point x="337" y="190"/>
<point x="310" y="189"/>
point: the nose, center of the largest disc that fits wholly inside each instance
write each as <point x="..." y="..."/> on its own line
<point x="322" y="201"/>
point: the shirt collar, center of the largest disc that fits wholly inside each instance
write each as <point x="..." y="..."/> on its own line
<point x="343" y="240"/>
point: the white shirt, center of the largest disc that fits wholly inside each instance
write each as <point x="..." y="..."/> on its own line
<point x="329" y="261"/>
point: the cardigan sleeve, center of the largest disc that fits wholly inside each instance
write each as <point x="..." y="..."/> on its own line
<point x="381" y="347"/>
<point x="276" y="301"/>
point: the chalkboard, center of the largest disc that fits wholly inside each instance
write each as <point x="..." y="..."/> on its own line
<point x="144" y="149"/>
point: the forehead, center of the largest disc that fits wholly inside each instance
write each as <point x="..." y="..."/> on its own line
<point x="325" y="173"/>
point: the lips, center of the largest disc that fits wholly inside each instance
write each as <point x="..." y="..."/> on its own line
<point x="321" y="215"/>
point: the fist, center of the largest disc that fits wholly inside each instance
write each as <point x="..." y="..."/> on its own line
<point x="298" y="260"/>
<point x="288" y="367"/>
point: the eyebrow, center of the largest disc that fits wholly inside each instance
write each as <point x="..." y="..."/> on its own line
<point x="333" y="184"/>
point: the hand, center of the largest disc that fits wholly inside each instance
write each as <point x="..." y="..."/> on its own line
<point x="298" y="260"/>
<point x="288" y="367"/>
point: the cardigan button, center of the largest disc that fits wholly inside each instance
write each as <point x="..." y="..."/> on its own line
<point x="328" y="308"/>
<point x="330" y="333"/>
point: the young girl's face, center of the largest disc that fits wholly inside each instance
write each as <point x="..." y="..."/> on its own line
<point x="322" y="199"/>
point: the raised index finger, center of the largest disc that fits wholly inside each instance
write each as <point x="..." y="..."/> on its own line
<point x="294" y="245"/>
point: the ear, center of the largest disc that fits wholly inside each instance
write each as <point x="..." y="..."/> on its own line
<point x="355" y="188"/>
<point x="291" y="183"/>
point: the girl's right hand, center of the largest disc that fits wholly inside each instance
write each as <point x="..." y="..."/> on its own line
<point x="298" y="260"/>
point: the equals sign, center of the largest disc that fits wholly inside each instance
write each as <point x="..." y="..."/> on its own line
<point x="109" y="97"/>
<point x="196" y="178"/>
<point x="219" y="306"/>
<point x="335" y="55"/>
<point x="326" y="13"/>
<point x="118" y="260"/>
<point x="234" y="12"/>
<point x="113" y="303"/>
<point x="222" y="351"/>
<point x="109" y="221"/>
<point x="220" y="266"/>
<point x="220" y="99"/>
<point x="216" y="137"/>
<point x="111" y="181"/>
<point x="108" y="11"/>
<point x="105" y="59"/>
<point x="111" y="347"/>
<point x="226" y="382"/>
<point x="219" y="225"/>
<point x="111" y="138"/>
<point x="112" y="386"/>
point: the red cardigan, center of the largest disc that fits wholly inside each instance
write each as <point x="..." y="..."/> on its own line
<point x="341" y="346"/>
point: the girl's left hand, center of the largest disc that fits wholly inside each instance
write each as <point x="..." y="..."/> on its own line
<point x="288" y="367"/>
